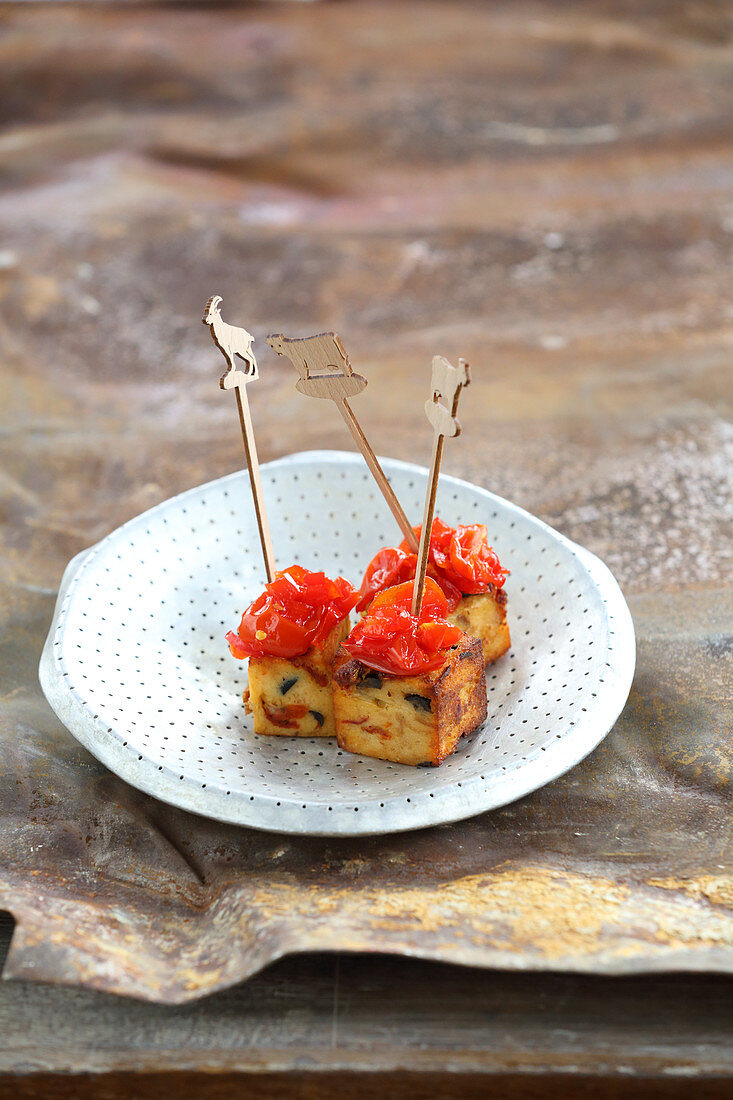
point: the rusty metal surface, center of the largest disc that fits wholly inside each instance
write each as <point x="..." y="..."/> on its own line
<point x="546" y="190"/>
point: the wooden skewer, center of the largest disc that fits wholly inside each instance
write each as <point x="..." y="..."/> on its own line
<point x="448" y="383"/>
<point x="253" y="465"/>
<point x="325" y="372"/>
<point x="380" y="477"/>
<point x="238" y="342"/>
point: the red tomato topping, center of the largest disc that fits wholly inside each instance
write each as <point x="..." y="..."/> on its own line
<point x="297" y="610"/>
<point x="460" y="560"/>
<point x="391" y="640"/>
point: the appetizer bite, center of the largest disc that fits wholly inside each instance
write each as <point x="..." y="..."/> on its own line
<point x="291" y="634"/>
<point x="468" y="572"/>
<point x="406" y="688"/>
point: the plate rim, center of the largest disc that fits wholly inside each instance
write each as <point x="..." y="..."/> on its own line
<point x="522" y="781"/>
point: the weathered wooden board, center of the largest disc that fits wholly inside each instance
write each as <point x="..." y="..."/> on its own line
<point x="544" y="189"/>
<point x="323" y="1027"/>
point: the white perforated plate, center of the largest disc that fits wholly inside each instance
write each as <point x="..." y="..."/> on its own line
<point x="137" y="667"/>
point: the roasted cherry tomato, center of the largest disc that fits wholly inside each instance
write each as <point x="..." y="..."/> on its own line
<point x="463" y="556"/>
<point x="391" y="640"/>
<point x="460" y="560"/>
<point x="297" y="610"/>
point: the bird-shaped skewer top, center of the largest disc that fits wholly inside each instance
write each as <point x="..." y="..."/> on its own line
<point x="447" y="383"/>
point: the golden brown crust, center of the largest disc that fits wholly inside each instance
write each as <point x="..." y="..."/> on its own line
<point x="483" y="616"/>
<point x="349" y="670"/>
<point x="460" y="695"/>
<point x="409" y="719"/>
<point x="292" y="696"/>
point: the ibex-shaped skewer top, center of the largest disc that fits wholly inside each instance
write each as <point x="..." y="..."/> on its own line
<point x="237" y="342"/>
<point x="231" y="342"/>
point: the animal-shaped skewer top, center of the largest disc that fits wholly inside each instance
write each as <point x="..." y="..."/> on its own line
<point x="447" y="382"/>
<point x="325" y="371"/>
<point x="231" y="342"/>
<point x="322" y="363"/>
<point x="237" y="342"/>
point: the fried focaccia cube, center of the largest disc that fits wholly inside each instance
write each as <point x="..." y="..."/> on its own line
<point x="484" y="617"/>
<point x="410" y="719"/>
<point x="291" y="696"/>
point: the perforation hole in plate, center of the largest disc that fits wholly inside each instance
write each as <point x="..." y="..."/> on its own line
<point x="138" y="662"/>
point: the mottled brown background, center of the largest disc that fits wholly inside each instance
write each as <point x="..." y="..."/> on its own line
<point x="544" y="188"/>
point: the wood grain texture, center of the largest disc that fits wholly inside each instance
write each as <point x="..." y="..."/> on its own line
<point x="447" y="385"/>
<point x="544" y="188"/>
<point x="326" y="373"/>
<point x="349" y="1085"/>
<point x="235" y="344"/>
<point x="323" y="1023"/>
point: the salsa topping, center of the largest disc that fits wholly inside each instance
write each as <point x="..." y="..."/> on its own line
<point x="460" y="560"/>
<point x="297" y="610"/>
<point x="391" y="640"/>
